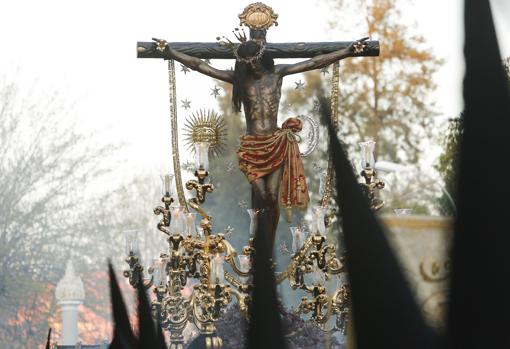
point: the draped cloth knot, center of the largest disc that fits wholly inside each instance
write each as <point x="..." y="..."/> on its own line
<point x="260" y="155"/>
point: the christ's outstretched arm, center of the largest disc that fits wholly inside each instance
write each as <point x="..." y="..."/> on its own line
<point x="322" y="61"/>
<point x="193" y="62"/>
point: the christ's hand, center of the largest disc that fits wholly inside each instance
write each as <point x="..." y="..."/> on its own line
<point x="358" y="46"/>
<point x="161" y="44"/>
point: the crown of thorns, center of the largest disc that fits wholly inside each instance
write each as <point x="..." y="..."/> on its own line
<point x="241" y="37"/>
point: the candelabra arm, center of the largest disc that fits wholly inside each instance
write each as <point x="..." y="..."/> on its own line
<point x="165" y="211"/>
<point x="193" y="202"/>
<point x="296" y="260"/>
<point x="201" y="189"/>
<point x="230" y="259"/>
<point x="135" y="273"/>
<point x="205" y="223"/>
<point x="241" y="301"/>
<point x="162" y="228"/>
<point x="372" y="183"/>
<point x="245" y="288"/>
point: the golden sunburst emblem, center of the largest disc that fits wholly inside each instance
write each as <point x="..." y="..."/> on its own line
<point x="206" y="126"/>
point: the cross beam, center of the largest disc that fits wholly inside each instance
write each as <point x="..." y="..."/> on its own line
<point x="212" y="50"/>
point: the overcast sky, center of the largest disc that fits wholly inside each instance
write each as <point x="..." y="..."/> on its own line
<point x="85" y="50"/>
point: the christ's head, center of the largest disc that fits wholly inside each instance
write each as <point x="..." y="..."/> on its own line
<point x="251" y="60"/>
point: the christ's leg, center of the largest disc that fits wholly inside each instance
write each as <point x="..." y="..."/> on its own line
<point x="265" y="193"/>
<point x="258" y="193"/>
<point x="273" y="181"/>
<point x="258" y="202"/>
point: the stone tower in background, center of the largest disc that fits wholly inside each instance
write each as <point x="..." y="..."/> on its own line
<point x="70" y="294"/>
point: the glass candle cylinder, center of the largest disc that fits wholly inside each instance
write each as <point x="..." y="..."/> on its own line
<point x="202" y="156"/>
<point x="318" y="224"/>
<point x="131" y="238"/>
<point x="322" y="182"/>
<point x="367" y="159"/>
<point x="244" y="266"/>
<point x="178" y="220"/>
<point x="190" y="223"/>
<point x="166" y="184"/>
<point x="298" y="238"/>
<point x="156" y="273"/>
<point x="217" y="273"/>
<point x="159" y="272"/>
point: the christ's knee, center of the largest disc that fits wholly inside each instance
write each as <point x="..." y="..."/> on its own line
<point x="271" y="199"/>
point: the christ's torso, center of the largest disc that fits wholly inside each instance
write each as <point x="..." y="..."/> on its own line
<point x="262" y="98"/>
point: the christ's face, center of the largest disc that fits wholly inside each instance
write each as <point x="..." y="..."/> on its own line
<point x="255" y="66"/>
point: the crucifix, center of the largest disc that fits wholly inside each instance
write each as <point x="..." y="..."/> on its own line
<point x="268" y="155"/>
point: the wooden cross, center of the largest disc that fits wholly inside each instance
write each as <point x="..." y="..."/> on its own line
<point x="259" y="18"/>
<point x="213" y="50"/>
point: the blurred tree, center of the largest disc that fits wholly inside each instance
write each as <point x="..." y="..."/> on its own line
<point x="387" y="99"/>
<point x="449" y="162"/>
<point x="52" y="207"/>
<point x="27" y="325"/>
<point x="46" y="169"/>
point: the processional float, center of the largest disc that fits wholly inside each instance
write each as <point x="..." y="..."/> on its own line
<point x="201" y="253"/>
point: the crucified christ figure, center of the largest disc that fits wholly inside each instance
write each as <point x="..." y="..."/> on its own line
<point x="269" y="156"/>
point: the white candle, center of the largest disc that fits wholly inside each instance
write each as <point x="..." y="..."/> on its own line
<point x="202" y="156"/>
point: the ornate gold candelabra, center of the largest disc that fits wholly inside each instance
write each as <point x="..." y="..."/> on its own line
<point x="199" y="255"/>
<point x="313" y="262"/>
<point x="190" y="255"/>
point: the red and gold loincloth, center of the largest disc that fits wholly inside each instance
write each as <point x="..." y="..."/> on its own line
<point x="261" y="155"/>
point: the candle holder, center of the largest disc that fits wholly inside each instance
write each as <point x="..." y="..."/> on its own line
<point x="298" y="238"/>
<point x="318" y="220"/>
<point x="372" y="183"/>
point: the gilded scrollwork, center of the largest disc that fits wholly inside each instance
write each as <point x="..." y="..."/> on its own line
<point x="258" y="16"/>
<point x="435" y="269"/>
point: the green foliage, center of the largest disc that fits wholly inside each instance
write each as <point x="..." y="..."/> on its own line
<point x="449" y="162"/>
